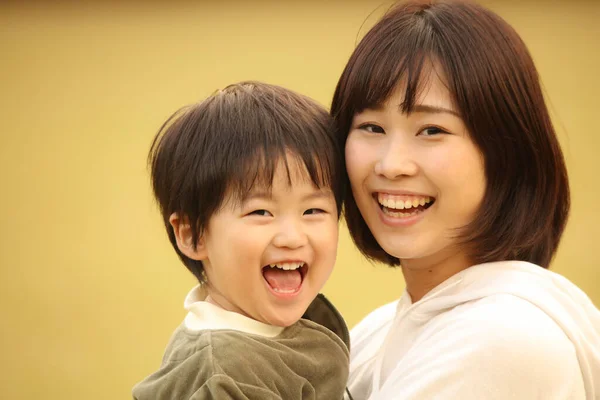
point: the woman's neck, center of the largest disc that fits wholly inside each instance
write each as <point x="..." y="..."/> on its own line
<point x="424" y="274"/>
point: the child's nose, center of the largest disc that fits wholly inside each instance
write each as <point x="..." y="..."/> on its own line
<point x="290" y="234"/>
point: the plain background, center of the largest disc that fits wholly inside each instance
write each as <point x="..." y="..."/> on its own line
<point x="90" y="289"/>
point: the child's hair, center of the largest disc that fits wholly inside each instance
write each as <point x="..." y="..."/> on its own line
<point x="495" y="87"/>
<point x="217" y="150"/>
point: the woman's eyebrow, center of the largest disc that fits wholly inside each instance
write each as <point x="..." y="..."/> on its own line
<point x="426" y="108"/>
<point x="422" y="108"/>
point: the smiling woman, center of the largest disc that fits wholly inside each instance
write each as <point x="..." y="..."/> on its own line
<point x="90" y="287"/>
<point x="457" y="177"/>
<point x="419" y="171"/>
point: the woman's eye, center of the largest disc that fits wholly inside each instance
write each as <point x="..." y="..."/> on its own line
<point x="432" y="131"/>
<point x="313" y="211"/>
<point x="371" y="128"/>
<point x="263" y="213"/>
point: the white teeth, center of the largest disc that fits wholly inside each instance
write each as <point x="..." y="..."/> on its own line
<point x="398" y="214"/>
<point x="395" y="202"/>
<point x="287" y="266"/>
<point x="289" y="291"/>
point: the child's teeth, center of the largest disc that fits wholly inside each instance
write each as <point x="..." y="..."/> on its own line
<point x="284" y="291"/>
<point x="287" y="266"/>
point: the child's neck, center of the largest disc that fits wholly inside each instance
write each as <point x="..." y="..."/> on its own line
<point x="223" y="304"/>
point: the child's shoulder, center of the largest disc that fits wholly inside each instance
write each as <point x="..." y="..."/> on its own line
<point x="184" y="343"/>
<point x="198" y="360"/>
<point x="321" y="311"/>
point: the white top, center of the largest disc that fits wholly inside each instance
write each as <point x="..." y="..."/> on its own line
<point x="504" y="330"/>
<point x="203" y="315"/>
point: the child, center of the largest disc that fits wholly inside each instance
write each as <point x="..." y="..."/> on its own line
<point x="249" y="184"/>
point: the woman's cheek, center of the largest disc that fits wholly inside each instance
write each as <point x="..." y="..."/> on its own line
<point x="358" y="155"/>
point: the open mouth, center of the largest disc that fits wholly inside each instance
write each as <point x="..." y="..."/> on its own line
<point x="285" y="278"/>
<point x="403" y="206"/>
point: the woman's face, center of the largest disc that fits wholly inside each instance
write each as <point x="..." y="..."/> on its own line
<point x="416" y="178"/>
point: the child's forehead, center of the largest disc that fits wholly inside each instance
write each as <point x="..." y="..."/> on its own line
<point x="283" y="170"/>
<point x="279" y="172"/>
<point x="299" y="180"/>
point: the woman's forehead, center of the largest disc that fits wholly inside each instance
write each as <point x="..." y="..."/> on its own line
<point x="432" y="94"/>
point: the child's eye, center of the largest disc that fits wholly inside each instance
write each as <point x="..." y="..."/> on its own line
<point x="431" y="131"/>
<point x="372" y="128"/>
<point x="313" y="211"/>
<point x="262" y="213"/>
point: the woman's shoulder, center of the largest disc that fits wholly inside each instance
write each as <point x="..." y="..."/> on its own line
<point x="368" y="335"/>
<point x="375" y="320"/>
<point x="504" y="318"/>
<point x="499" y="346"/>
<point x="507" y="333"/>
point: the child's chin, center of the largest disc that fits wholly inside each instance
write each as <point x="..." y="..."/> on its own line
<point x="285" y="319"/>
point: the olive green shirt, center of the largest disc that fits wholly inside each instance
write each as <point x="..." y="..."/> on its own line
<point x="305" y="361"/>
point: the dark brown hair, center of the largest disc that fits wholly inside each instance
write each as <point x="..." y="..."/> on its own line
<point x="495" y="86"/>
<point x="220" y="148"/>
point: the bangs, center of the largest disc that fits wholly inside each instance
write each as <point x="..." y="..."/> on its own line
<point x="265" y="129"/>
<point x="223" y="147"/>
<point x="257" y="169"/>
<point x="376" y="70"/>
<point x="494" y="86"/>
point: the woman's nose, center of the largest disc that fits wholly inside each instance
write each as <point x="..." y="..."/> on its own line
<point x="396" y="160"/>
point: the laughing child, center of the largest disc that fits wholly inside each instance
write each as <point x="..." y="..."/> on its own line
<point x="249" y="184"/>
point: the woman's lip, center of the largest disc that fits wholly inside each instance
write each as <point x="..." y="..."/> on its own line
<point x="400" y="222"/>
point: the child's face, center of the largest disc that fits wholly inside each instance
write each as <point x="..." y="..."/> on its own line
<point x="268" y="257"/>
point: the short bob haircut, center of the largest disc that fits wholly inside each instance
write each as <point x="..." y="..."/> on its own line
<point x="219" y="149"/>
<point x="495" y="87"/>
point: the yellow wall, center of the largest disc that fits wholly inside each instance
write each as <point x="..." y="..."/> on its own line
<point x="90" y="289"/>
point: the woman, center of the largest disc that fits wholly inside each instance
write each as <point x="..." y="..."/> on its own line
<point x="457" y="177"/>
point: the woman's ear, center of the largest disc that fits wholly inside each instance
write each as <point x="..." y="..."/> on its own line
<point x="183" y="235"/>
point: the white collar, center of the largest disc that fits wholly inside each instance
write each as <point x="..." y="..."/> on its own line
<point x="203" y="316"/>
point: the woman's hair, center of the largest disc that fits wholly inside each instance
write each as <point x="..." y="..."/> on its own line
<point x="495" y="87"/>
<point x="219" y="149"/>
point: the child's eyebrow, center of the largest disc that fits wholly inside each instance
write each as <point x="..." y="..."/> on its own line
<point x="259" y="195"/>
<point x="265" y="195"/>
<point x="318" y="194"/>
